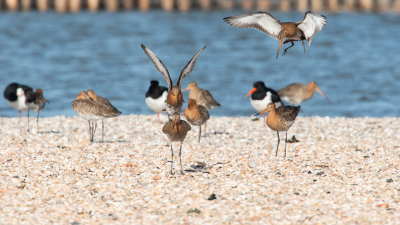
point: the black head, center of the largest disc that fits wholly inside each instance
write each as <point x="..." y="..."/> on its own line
<point x="259" y="84"/>
<point x="154" y="83"/>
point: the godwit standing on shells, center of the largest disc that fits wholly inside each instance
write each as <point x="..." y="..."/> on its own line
<point x="176" y="131"/>
<point x="281" y="119"/>
<point x="174" y="102"/>
<point x="196" y="115"/>
<point x="15" y="95"/>
<point x="261" y="96"/>
<point x="155" y="98"/>
<point x="105" y="103"/>
<point x="202" y="97"/>
<point x="297" y="93"/>
<point x="36" y="102"/>
<point x="91" y="111"/>
<point x="265" y="22"/>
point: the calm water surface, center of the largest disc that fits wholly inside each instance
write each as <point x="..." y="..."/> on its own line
<point x="355" y="59"/>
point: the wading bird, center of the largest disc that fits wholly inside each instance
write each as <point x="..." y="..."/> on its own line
<point x="261" y="96"/>
<point x="105" y="103"/>
<point x="202" y="97"/>
<point x="297" y="93"/>
<point x="281" y="119"/>
<point x="265" y="22"/>
<point x="176" y="131"/>
<point x="174" y="102"/>
<point x="155" y="98"/>
<point x="196" y="115"/>
<point x="15" y="94"/>
<point x="36" y="102"/>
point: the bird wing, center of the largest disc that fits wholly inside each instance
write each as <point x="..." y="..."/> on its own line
<point x="159" y="65"/>
<point x="289" y="113"/>
<point x="189" y="67"/>
<point x="185" y="125"/>
<point x="311" y="24"/>
<point x="292" y="90"/>
<point x="261" y="21"/>
<point x="209" y="101"/>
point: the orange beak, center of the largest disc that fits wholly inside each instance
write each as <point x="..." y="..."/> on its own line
<point x="251" y="92"/>
<point x="264" y="111"/>
<point x="279" y="48"/>
<point x="319" y="91"/>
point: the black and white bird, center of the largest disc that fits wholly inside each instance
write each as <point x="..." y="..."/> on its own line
<point x="35" y="102"/>
<point x="15" y="94"/>
<point x="266" y="23"/>
<point x="261" y="96"/>
<point x="156" y="97"/>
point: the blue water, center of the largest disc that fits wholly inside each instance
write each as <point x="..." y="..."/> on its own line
<point x="355" y="59"/>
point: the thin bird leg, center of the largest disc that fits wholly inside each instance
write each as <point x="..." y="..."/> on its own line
<point x="159" y="121"/>
<point x="285" y="51"/>
<point x="28" y="118"/>
<point x="205" y="129"/>
<point x="102" y="134"/>
<point x="277" y="146"/>
<point x="180" y="157"/>
<point x="94" y="127"/>
<point x="199" y="133"/>
<point x="37" y="122"/>
<point x="264" y="118"/>
<point x="172" y="159"/>
<point x="304" y="47"/>
<point x="279" y="48"/>
<point x="303" y="112"/>
<point x="90" y="132"/>
<point x="285" y="145"/>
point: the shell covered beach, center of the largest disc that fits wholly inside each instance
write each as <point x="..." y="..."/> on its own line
<point x="343" y="170"/>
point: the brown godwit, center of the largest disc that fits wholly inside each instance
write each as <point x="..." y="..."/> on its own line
<point x="155" y="98"/>
<point x="202" y="97"/>
<point x="265" y="22"/>
<point x="174" y="102"/>
<point x="15" y="94"/>
<point x="281" y="119"/>
<point x="105" y="103"/>
<point x="91" y="111"/>
<point x="261" y="96"/>
<point x="176" y="131"/>
<point x="297" y="93"/>
<point x="35" y="102"/>
<point x="196" y="115"/>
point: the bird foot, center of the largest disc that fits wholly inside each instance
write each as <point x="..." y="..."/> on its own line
<point x="172" y="173"/>
<point x="284" y="52"/>
<point x="182" y="173"/>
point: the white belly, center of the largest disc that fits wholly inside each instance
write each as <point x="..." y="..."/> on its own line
<point x="260" y="105"/>
<point x="157" y="105"/>
<point x="292" y="101"/>
<point x="19" y="104"/>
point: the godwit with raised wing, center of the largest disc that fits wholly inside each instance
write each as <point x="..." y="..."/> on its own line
<point x="15" y="95"/>
<point x="155" y="98"/>
<point x="202" y="97"/>
<point x="196" y="115"/>
<point x="261" y="96"/>
<point x="281" y="119"/>
<point x="91" y="111"/>
<point x="265" y="22"/>
<point x="105" y="103"/>
<point x="176" y="131"/>
<point x="174" y="102"/>
<point x="36" y="102"/>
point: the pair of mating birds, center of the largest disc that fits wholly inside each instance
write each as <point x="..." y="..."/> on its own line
<point x="199" y="103"/>
<point x="22" y="98"/>
<point x="93" y="107"/>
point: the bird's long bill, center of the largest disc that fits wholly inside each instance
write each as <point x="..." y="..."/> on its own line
<point x="264" y="111"/>
<point x="250" y="92"/>
<point x="279" y="48"/>
<point x="185" y="89"/>
<point x="319" y="91"/>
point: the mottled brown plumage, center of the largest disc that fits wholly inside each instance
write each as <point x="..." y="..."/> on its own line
<point x="174" y="102"/>
<point x="35" y="102"/>
<point x="297" y="93"/>
<point x="105" y="103"/>
<point x="176" y="131"/>
<point x="265" y="22"/>
<point x="202" y="96"/>
<point x="196" y="115"/>
<point x="281" y="119"/>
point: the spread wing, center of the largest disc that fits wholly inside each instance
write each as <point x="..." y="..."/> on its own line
<point x="311" y="24"/>
<point x="159" y="65"/>
<point x="261" y="21"/>
<point x="189" y="67"/>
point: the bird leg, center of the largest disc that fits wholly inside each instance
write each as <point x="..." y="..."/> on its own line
<point x="285" y="145"/>
<point x="180" y="157"/>
<point x="28" y="118"/>
<point x="90" y="131"/>
<point x="172" y="159"/>
<point x="303" y="112"/>
<point x="285" y="51"/>
<point x="264" y="118"/>
<point x="304" y="47"/>
<point x="37" y="121"/>
<point x="158" y="114"/>
<point x="277" y="146"/>
<point x="205" y="129"/>
<point x="199" y="133"/>
<point x="102" y="134"/>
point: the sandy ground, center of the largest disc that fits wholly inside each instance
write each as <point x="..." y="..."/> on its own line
<point x="342" y="171"/>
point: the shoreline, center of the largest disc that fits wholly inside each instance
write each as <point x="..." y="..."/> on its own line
<point x="343" y="170"/>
